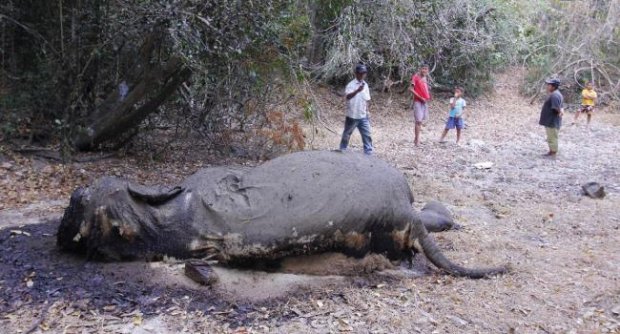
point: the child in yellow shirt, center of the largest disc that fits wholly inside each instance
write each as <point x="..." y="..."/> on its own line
<point x="588" y="100"/>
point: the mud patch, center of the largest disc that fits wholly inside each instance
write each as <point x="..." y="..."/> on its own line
<point x="30" y="214"/>
<point x="295" y="276"/>
<point x="35" y="252"/>
<point x="335" y="264"/>
<point x="256" y="286"/>
<point x="233" y="285"/>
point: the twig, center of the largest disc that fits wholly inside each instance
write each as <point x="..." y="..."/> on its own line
<point x="39" y="321"/>
<point x="30" y="31"/>
<point x="542" y="80"/>
<point x="576" y="71"/>
<point x="318" y="114"/>
<point x="609" y="80"/>
<point x="592" y="71"/>
<point x="97" y="158"/>
<point x="52" y="154"/>
<point x="319" y="110"/>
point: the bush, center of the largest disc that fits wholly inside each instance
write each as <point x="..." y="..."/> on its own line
<point x="576" y="41"/>
<point x="463" y="41"/>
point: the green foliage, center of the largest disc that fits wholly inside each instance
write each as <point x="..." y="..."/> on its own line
<point x="575" y="41"/>
<point x="464" y="41"/>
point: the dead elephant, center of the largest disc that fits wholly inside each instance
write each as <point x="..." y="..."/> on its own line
<point x="299" y="204"/>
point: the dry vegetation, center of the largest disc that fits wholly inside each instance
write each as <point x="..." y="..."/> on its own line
<point x="526" y="210"/>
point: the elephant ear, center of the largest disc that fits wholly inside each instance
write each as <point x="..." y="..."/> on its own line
<point x="436" y="217"/>
<point x="438" y="208"/>
<point x="153" y="196"/>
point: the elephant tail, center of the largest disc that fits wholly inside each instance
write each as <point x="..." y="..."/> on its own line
<point x="436" y="257"/>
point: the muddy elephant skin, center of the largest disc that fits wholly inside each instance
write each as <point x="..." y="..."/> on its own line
<point x="302" y="203"/>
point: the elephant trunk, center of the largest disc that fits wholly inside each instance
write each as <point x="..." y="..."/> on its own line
<point x="435" y="256"/>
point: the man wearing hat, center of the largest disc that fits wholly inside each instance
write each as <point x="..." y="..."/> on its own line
<point x="551" y="115"/>
<point x="357" y="95"/>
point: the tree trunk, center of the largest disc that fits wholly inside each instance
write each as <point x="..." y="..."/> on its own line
<point x="117" y="114"/>
<point x="148" y="84"/>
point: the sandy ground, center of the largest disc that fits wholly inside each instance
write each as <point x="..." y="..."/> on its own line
<point x="525" y="210"/>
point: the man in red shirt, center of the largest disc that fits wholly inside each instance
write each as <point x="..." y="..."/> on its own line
<point x="421" y="96"/>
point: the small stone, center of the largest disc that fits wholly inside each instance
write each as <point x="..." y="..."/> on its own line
<point x="201" y="273"/>
<point x="593" y="190"/>
<point x="483" y="165"/>
<point x="457" y="321"/>
<point x="488" y="196"/>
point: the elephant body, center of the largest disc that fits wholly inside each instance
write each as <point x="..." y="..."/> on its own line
<point x="298" y="204"/>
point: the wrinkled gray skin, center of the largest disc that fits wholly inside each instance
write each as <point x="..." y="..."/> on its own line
<point x="437" y="218"/>
<point x="299" y="204"/>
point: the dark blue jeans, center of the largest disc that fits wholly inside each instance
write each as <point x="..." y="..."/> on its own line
<point x="363" y="125"/>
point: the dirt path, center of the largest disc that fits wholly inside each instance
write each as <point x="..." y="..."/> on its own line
<point x="525" y="210"/>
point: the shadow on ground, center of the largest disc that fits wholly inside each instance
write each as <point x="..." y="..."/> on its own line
<point x="34" y="274"/>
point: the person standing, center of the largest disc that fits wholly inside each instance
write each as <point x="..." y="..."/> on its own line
<point x="357" y="95"/>
<point x="455" y="116"/>
<point x="551" y="115"/>
<point x="588" y="100"/>
<point x="421" y="96"/>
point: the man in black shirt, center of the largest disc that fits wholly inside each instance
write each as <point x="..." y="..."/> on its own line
<point x="551" y="115"/>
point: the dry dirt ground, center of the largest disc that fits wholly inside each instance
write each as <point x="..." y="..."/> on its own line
<point x="525" y="210"/>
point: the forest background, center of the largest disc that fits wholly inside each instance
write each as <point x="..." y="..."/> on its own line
<point x="238" y="76"/>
